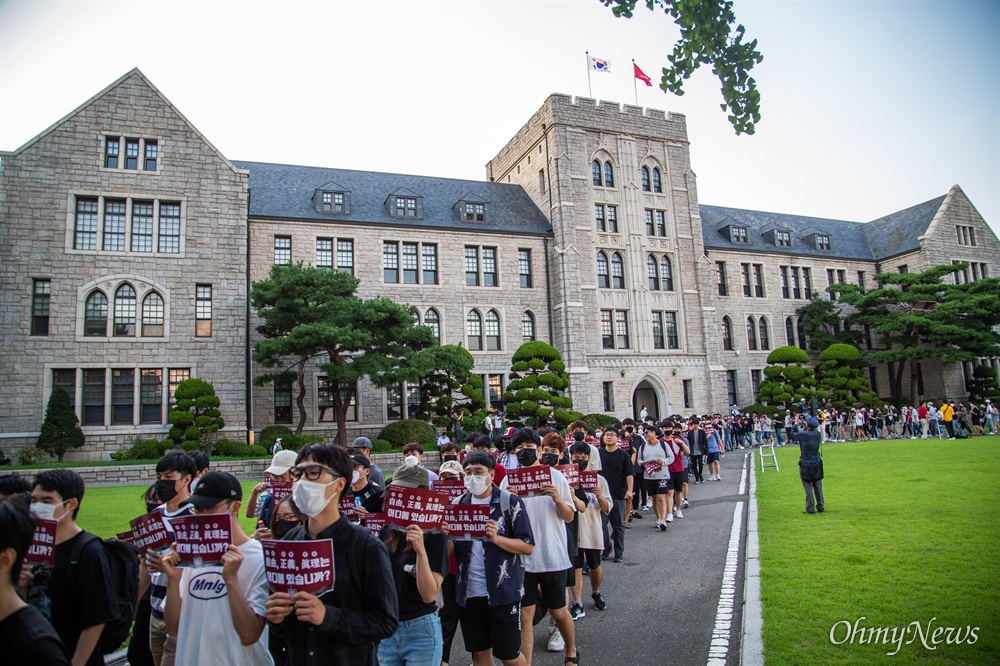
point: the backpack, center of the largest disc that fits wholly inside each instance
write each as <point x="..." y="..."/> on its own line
<point x="668" y="454"/>
<point x="504" y="506"/>
<point x="123" y="564"/>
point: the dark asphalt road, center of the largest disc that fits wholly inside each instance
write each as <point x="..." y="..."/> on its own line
<point x="662" y="600"/>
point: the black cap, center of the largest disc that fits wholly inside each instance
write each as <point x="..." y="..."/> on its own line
<point x="361" y="461"/>
<point x="215" y="487"/>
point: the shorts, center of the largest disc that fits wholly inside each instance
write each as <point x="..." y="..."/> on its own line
<point x="553" y="584"/>
<point x="497" y="628"/>
<point x="712" y="457"/>
<point x="591" y="555"/>
<point x="677" y="481"/>
<point x="655" y="486"/>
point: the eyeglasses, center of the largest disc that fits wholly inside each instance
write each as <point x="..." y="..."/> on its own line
<point x="311" y="472"/>
<point x="287" y="516"/>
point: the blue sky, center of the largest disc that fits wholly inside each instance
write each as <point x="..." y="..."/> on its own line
<point x="868" y="107"/>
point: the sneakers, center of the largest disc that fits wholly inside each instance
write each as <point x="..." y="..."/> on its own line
<point x="586" y="569"/>
<point x="678" y="513"/>
<point x="718" y="477"/>
<point x="686" y="504"/>
<point x="648" y="505"/>
<point x="556" y="642"/>
<point x="576" y="611"/>
<point x="619" y="559"/>
<point x="637" y="515"/>
<point x="599" y="603"/>
<point x="670" y="519"/>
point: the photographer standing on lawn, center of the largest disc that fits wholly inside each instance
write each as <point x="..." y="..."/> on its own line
<point x="811" y="465"/>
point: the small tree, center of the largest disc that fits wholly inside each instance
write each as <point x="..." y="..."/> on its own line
<point x="788" y="381"/>
<point x="61" y="429"/>
<point x="983" y="384"/>
<point x="538" y="378"/>
<point x="197" y="412"/>
<point x="450" y="385"/>
<point x="839" y="378"/>
<point x="820" y="320"/>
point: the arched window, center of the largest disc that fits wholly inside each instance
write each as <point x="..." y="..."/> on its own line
<point x="125" y="311"/>
<point x="474" y="330"/>
<point x="657" y="183"/>
<point x="645" y="178"/>
<point x="492" y="330"/>
<point x="764" y="334"/>
<point x="666" y="274"/>
<point x="789" y="332"/>
<point x="727" y="333"/>
<point x="653" y="272"/>
<point x="595" y="168"/>
<point x="603" y="275"/>
<point x="95" y="315"/>
<point x="751" y="334"/>
<point x="617" y="271"/>
<point x="432" y="320"/>
<point x="528" y="326"/>
<point x="152" y="316"/>
<point x="803" y="343"/>
<point x="609" y="175"/>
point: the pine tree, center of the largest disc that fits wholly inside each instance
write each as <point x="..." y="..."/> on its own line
<point x="61" y="429"/>
<point x="788" y="381"/>
<point x="839" y="378"/>
<point x="537" y="380"/>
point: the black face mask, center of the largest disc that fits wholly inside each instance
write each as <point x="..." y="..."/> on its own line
<point x="166" y="490"/>
<point x="283" y="527"/>
<point x="582" y="464"/>
<point x="527" y="457"/>
<point x="578" y="436"/>
<point x="550" y="458"/>
<point x="447" y="458"/>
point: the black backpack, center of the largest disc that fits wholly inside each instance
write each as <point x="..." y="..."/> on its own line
<point x="123" y="563"/>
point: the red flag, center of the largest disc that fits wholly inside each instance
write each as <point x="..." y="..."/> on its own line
<point x="639" y="74"/>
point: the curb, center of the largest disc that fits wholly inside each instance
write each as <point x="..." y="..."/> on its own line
<point x="752" y="653"/>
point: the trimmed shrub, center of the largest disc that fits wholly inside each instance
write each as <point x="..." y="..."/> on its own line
<point x="787" y="354"/>
<point x="61" y="429"/>
<point x="197" y="412"/>
<point x="400" y="433"/>
<point x="599" y="420"/>
<point x="270" y="433"/>
<point x="757" y="409"/>
<point x="381" y="446"/>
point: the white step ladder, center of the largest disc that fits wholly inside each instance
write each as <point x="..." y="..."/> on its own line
<point x="768" y="452"/>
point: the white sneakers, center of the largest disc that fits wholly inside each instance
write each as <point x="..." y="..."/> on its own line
<point x="556" y="642"/>
<point x="678" y="513"/>
<point x="670" y="517"/>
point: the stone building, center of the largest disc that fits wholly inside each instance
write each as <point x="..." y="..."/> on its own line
<point x="129" y="251"/>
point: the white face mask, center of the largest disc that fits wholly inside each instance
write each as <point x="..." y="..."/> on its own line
<point x="45" y="511"/>
<point x="411" y="460"/>
<point x="476" y="485"/>
<point x="310" y="496"/>
<point x="355" y="475"/>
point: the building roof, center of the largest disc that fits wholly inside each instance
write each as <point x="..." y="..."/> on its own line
<point x="885" y="237"/>
<point x="283" y="191"/>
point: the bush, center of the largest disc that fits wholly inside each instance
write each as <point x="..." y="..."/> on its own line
<point x="401" y="433"/>
<point x="270" y="433"/>
<point x="757" y="409"/>
<point x="599" y="420"/>
<point x="31" y="455"/>
<point x="787" y="354"/>
<point x="140" y="449"/>
<point x="381" y="446"/>
<point x="226" y="447"/>
<point x="60" y="429"/>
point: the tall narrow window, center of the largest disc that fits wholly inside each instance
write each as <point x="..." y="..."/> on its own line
<point x="650" y="228"/>
<point x="621" y="329"/>
<point x="609" y="396"/>
<point x="412" y="400"/>
<point x="282" y="403"/>
<point x="670" y="328"/>
<point x="125" y="311"/>
<point x="607" y="330"/>
<point x="41" y="294"/>
<point x="203" y="311"/>
<point x="114" y="225"/>
<point x="785" y="292"/>
<point x="471" y="266"/>
<point x="524" y="267"/>
<point x="796" y="290"/>
<point x="595" y="168"/>
<point x="657" y="183"/>
<point x="174" y="377"/>
<point x="830" y="281"/>
<point x="474" y="331"/>
<point x="490" y="267"/>
<point x="751" y="334"/>
<point x="613" y="219"/>
<point x="801" y="330"/>
<point x="66" y="379"/>
<point x="527" y="326"/>
<point x="658" y="340"/>
<point x="789" y="332"/>
<point x="324" y="253"/>
<point x="603" y="273"/>
<point x="727" y="333"/>
<point x="758" y="280"/>
<point x="151" y="396"/>
<point x="617" y="271"/>
<point x="861" y="280"/>
<point x="152" y="316"/>
<point x="666" y="273"/>
<point x="541" y="181"/>
<point x="492" y="331"/>
<point x="170" y="228"/>
<point x="410" y="263"/>
<point x="152" y="152"/>
<point x="764" y="334"/>
<point x="599" y="216"/>
<point x="430" y="263"/>
<point x="609" y="175"/>
<point x="345" y="256"/>
<point x="745" y="271"/>
<point x="807" y="283"/>
<point x="142" y="226"/>
<point x="432" y="320"/>
<point x="494" y="387"/>
<point x="122" y="395"/>
<point x="720" y="278"/>
<point x="731" y="387"/>
<point x="686" y="386"/>
<point x="661" y="223"/>
<point x="95" y="315"/>
<point x="85" y="225"/>
<point x="755" y="382"/>
<point x="282" y="250"/>
<point x="93" y="396"/>
<point x="644" y="174"/>
<point x="394" y="402"/>
<point x="653" y="273"/>
<point x="112" y="146"/>
<point x="132" y="154"/>
<point x="390" y="262"/>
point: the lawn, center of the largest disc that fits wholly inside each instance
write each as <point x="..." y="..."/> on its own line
<point x="911" y="533"/>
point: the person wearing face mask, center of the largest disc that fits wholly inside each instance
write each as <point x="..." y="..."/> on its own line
<point x="226" y="625"/>
<point x="413" y="454"/>
<point x="81" y="591"/>
<point x="278" y="471"/>
<point x="363" y="488"/>
<point x="342" y="626"/>
<point x="483" y="443"/>
<point x="490" y="573"/>
<point x="655" y="450"/>
<point x="579" y="431"/>
<point x="363" y="446"/>
<point x="451" y="470"/>
<point x="449" y="451"/>
<point x="285" y="517"/>
<point x="590" y="535"/>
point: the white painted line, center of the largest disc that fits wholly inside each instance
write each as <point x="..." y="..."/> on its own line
<point x="743" y="474"/>
<point x="719" y="649"/>
<point x="752" y="652"/>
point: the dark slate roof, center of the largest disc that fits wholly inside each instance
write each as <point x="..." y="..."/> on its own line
<point x="882" y="238"/>
<point x="286" y="192"/>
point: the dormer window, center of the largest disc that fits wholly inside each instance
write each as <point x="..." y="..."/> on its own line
<point x="406" y="207"/>
<point x="333" y="202"/>
<point x="475" y="212"/>
<point x="823" y="242"/>
<point x="738" y="235"/>
<point x="332" y="199"/>
<point x="783" y="238"/>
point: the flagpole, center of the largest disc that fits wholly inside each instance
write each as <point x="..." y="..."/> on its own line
<point x="635" y="86"/>
<point x="589" y="91"/>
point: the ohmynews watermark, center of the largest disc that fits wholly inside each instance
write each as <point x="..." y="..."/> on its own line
<point x="930" y="637"/>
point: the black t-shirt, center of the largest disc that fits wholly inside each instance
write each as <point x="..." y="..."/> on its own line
<point x="81" y="593"/>
<point x="410" y="603"/>
<point x="27" y="637"/>
<point x="616" y="467"/>
<point x="371" y="497"/>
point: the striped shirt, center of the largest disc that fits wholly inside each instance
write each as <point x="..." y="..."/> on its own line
<point x="158" y="581"/>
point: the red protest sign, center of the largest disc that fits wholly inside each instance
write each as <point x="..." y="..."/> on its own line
<point x="279" y="489"/>
<point x="624" y="444"/>
<point x="126" y="537"/>
<point x="452" y="488"/>
<point x="348" y="507"/>
<point x="202" y="540"/>
<point x="305" y="566"/>
<point x="528" y="481"/>
<point x="43" y="544"/>
<point x="572" y="474"/>
<point x="461" y="456"/>
<point x="149" y="531"/>
<point x="652" y="466"/>
<point x="415" y="506"/>
<point x="467" y="521"/>
<point x="375" y="522"/>
<point x="588" y="481"/>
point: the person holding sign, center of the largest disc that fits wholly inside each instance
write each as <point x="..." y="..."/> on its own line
<point x="419" y="564"/>
<point x="590" y="534"/>
<point x="217" y="614"/>
<point x="546" y="567"/>
<point x="339" y="627"/>
<point x="655" y="458"/>
<point x="278" y="471"/>
<point x="366" y="493"/>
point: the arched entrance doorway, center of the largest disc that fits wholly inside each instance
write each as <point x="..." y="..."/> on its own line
<point x="645" y="396"/>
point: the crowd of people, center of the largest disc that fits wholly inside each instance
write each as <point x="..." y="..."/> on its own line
<point x="399" y="594"/>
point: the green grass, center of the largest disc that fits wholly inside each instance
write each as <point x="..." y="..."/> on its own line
<point x="105" y="511"/>
<point x="108" y="463"/>
<point x="910" y="533"/>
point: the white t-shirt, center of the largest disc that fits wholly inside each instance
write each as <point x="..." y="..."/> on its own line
<point x="549" y="529"/>
<point x="477" y="563"/>
<point x="590" y="532"/>
<point x="205" y="632"/>
<point x="595" y="461"/>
